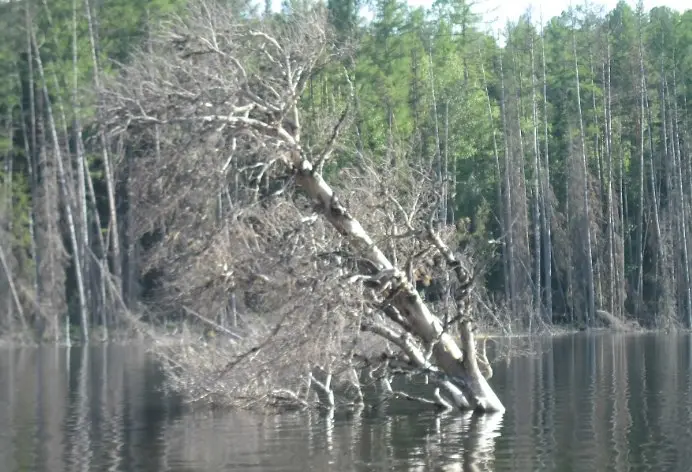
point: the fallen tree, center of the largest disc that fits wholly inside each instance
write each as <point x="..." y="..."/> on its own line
<point x="213" y="139"/>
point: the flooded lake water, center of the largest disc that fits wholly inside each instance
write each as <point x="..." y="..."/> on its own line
<point x="576" y="403"/>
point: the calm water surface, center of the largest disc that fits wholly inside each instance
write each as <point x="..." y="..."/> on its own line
<point x="579" y="403"/>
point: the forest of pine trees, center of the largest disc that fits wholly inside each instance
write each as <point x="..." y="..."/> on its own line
<point x="562" y="150"/>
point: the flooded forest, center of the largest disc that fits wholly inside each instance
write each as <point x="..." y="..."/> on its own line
<point x="288" y="202"/>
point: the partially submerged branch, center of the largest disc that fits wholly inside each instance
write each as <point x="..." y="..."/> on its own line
<point x="437" y="402"/>
<point x="324" y="389"/>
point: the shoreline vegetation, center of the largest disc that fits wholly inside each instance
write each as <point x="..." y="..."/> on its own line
<point x="293" y="208"/>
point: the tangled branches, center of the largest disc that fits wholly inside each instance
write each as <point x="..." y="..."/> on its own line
<point x="212" y="117"/>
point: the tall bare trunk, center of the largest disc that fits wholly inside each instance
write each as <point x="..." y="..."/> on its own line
<point x="31" y="177"/>
<point x="108" y="170"/>
<point x="537" y="194"/>
<point x="653" y="184"/>
<point x="448" y="202"/>
<point x="81" y="189"/>
<point x="66" y="195"/>
<point x="639" y="246"/>
<point x="103" y="262"/>
<point x="569" y="216"/>
<point x="442" y="216"/>
<point x="508" y="199"/>
<point x="622" y="211"/>
<point x="591" y="313"/>
<point x="547" y="196"/>
<point x="614" y="300"/>
<point x="8" y="194"/>
<point x="520" y="207"/>
<point x="598" y="287"/>
<point x="31" y="150"/>
<point x="498" y="170"/>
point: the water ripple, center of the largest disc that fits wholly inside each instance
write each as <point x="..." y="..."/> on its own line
<point x="578" y="403"/>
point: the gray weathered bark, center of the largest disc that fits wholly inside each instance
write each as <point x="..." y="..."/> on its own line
<point x="546" y="196"/>
<point x="585" y="194"/>
<point x="107" y="167"/>
<point x="66" y="196"/>
<point x="459" y="363"/>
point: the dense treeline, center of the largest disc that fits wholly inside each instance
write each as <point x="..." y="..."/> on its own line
<point x="562" y="152"/>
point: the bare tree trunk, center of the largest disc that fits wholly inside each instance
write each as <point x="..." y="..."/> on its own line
<point x="508" y="200"/>
<point x="31" y="150"/>
<point x="640" y="218"/>
<point x="520" y="209"/>
<point x="622" y="220"/>
<point x="442" y="216"/>
<point x="671" y="279"/>
<point x="660" y="256"/>
<point x="537" y="194"/>
<point x="81" y="189"/>
<point x="66" y="196"/>
<point x="103" y="263"/>
<point x="586" y="230"/>
<point x="569" y="215"/>
<point x="7" y="210"/>
<point x="547" y="196"/>
<point x="110" y="184"/>
<point x="612" y="269"/>
<point x="31" y="177"/>
<point x="520" y="205"/>
<point x="503" y="221"/>
<point x="449" y="202"/>
<point x="597" y="215"/>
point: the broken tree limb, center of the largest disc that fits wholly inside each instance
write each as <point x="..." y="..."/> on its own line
<point x="438" y="401"/>
<point x="461" y="366"/>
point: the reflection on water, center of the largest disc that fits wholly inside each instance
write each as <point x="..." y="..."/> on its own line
<point x="587" y="402"/>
